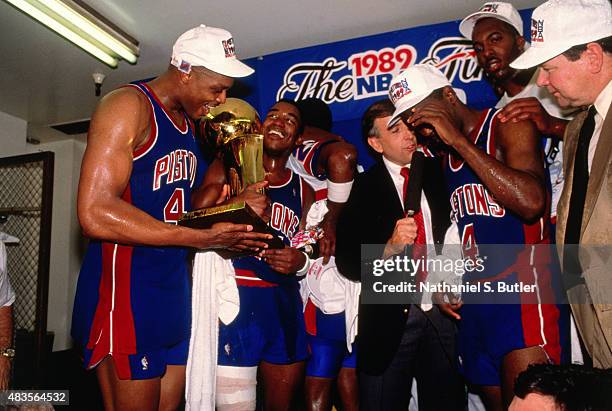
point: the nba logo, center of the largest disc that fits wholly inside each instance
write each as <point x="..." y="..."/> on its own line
<point x="185" y="66"/>
<point x="228" y="46"/>
<point x="145" y="363"/>
<point x="537" y="31"/>
<point x="399" y="90"/>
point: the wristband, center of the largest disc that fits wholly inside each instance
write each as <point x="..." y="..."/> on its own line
<point x="338" y="192"/>
<point x="302" y="271"/>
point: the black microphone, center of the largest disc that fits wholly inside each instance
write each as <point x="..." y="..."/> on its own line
<point x="412" y="201"/>
<point x="412" y="205"/>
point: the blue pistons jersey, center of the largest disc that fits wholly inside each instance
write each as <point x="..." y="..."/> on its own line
<point x="270" y="324"/>
<point x="490" y="326"/>
<point x="134" y="298"/>
<point x="480" y="217"/>
<point x="286" y="212"/>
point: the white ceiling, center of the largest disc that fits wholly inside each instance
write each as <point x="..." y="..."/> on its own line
<point x="46" y="80"/>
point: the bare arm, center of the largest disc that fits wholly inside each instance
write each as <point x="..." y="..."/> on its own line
<point x="211" y="192"/>
<point x="515" y="176"/>
<point x="339" y="162"/>
<point x="119" y="125"/>
<point x="212" y="186"/>
<point x="6" y="340"/>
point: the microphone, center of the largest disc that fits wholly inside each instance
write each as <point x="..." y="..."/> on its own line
<point x="412" y="201"/>
<point x="412" y="205"/>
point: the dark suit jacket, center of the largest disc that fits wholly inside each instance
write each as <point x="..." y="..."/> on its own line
<point x="369" y="217"/>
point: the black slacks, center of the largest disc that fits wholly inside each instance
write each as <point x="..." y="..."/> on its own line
<point x="427" y="353"/>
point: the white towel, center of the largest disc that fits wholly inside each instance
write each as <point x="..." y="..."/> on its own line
<point x="214" y="297"/>
<point x="332" y="293"/>
<point x="352" y="289"/>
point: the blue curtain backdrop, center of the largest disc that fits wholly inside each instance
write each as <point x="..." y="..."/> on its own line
<point x="350" y="75"/>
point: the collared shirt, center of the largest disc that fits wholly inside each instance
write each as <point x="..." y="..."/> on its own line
<point x="602" y="103"/>
<point x="398" y="181"/>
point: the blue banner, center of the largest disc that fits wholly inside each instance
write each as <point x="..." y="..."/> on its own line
<point x="350" y="75"/>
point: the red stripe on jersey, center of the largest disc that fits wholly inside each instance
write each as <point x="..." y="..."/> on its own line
<point x="124" y="331"/>
<point x="252" y="280"/>
<point x="152" y="138"/>
<point x="113" y="327"/>
<point x="537" y="233"/>
<point x="121" y="361"/>
<point x="541" y="328"/>
<point x="321" y="194"/>
<point x="310" y="318"/>
<point x="456" y="163"/>
<point x="283" y="183"/>
<point x="303" y="187"/>
<point x="540" y="321"/>
<point x="100" y="328"/>
<point x="491" y="136"/>
<point x="308" y="159"/>
<point x="180" y="127"/>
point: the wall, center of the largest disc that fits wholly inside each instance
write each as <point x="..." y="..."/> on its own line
<point x="12" y="135"/>
<point x="66" y="241"/>
<point x="66" y="237"/>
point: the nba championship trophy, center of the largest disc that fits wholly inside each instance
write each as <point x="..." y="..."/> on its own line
<point x="234" y="129"/>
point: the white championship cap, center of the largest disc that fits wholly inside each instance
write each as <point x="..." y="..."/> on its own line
<point x="495" y="9"/>
<point x="558" y="25"/>
<point x="412" y="86"/>
<point x="209" y="47"/>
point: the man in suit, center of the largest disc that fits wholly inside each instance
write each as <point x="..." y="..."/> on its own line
<point x="397" y="342"/>
<point x="575" y="60"/>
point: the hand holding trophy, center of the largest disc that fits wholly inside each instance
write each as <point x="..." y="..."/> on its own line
<point x="234" y="129"/>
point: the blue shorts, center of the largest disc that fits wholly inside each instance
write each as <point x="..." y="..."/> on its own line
<point x="488" y="332"/>
<point x="143" y="365"/>
<point x="327" y="344"/>
<point x="269" y="327"/>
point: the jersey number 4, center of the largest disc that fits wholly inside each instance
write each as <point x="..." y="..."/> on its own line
<point x="175" y="207"/>
<point x="468" y="240"/>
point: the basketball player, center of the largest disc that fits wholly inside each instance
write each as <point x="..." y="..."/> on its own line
<point x="328" y="164"/>
<point x="268" y="335"/>
<point x="142" y="163"/>
<point x="498" y="196"/>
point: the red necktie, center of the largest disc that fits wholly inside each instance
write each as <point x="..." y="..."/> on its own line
<point x="418" y="219"/>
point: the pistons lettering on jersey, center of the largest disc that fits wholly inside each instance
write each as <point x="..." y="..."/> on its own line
<point x="475" y="199"/>
<point x="175" y="166"/>
<point x="284" y="220"/>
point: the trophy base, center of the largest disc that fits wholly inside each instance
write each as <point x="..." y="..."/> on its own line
<point x="237" y="213"/>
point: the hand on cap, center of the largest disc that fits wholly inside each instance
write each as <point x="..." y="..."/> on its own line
<point x="435" y="115"/>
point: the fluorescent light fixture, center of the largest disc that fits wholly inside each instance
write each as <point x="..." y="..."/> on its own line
<point x="84" y="27"/>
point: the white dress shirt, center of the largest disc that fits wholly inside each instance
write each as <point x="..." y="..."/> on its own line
<point x="602" y="103"/>
<point x="398" y="181"/>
